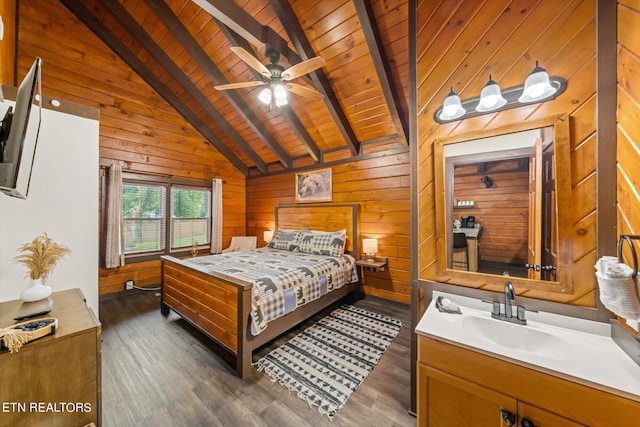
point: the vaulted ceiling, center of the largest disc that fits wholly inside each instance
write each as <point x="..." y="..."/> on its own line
<point x="182" y="48"/>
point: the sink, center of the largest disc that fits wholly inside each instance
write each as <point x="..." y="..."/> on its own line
<point x="517" y="337"/>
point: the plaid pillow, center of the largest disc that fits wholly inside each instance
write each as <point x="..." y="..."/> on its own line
<point x="319" y="243"/>
<point x="288" y="240"/>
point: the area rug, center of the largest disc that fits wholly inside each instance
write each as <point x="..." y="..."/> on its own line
<point x="327" y="362"/>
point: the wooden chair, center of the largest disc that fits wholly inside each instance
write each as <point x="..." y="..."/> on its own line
<point x="239" y="243"/>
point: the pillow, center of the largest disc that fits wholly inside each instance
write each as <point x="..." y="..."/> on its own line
<point x="287" y="240"/>
<point x="322" y="243"/>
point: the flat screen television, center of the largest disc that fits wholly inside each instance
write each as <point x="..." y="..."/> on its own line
<point x="19" y="135"/>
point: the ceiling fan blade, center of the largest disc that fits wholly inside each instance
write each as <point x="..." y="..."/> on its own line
<point x="304" y="91"/>
<point x="302" y="68"/>
<point x="239" y="85"/>
<point x="251" y="61"/>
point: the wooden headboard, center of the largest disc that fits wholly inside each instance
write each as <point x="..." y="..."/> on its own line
<point x="326" y="217"/>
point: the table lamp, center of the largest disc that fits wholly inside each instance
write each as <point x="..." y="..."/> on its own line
<point x="370" y="248"/>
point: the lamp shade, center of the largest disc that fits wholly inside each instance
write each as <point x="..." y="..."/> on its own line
<point x="537" y="86"/>
<point x="268" y="235"/>
<point x="490" y="97"/>
<point x="452" y="107"/>
<point x="370" y="246"/>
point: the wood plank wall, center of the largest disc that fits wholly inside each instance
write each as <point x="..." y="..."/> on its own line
<point x="380" y="185"/>
<point x="459" y="44"/>
<point x="136" y="125"/>
<point x="502" y="210"/>
<point x="628" y="132"/>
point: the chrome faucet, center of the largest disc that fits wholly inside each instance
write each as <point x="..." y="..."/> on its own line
<point x="509" y="296"/>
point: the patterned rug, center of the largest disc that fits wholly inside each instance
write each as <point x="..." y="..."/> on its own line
<point x="327" y="362"/>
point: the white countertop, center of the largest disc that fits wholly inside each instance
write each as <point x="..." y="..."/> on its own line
<point x="593" y="358"/>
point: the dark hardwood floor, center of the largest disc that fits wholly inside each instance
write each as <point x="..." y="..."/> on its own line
<point x="159" y="371"/>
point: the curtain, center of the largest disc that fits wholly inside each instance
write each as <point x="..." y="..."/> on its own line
<point x="216" y="216"/>
<point x="114" y="256"/>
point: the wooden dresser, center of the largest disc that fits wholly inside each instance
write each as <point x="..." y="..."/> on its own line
<point x="55" y="380"/>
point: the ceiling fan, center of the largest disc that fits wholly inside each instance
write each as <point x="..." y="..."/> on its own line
<point x="275" y="77"/>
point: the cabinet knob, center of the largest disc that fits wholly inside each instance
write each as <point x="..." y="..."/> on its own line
<point x="526" y="422"/>
<point x="508" y="417"/>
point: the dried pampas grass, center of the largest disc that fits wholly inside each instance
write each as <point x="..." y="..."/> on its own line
<point x="41" y="256"/>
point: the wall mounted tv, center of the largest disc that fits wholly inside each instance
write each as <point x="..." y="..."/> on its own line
<point x="19" y="135"/>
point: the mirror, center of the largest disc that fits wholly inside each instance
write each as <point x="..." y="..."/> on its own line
<point x="499" y="208"/>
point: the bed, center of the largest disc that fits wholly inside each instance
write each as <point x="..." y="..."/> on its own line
<point x="225" y="296"/>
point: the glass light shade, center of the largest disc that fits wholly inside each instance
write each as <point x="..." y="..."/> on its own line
<point x="490" y="97"/>
<point x="280" y="94"/>
<point x="268" y="235"/>
<point x="452" y="107"/>
<point x="265" y="96"/>
<point x="537" y="86"/>
<point x="370" y="246"/>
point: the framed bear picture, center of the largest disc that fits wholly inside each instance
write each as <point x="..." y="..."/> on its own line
<point x="314" y="186"/>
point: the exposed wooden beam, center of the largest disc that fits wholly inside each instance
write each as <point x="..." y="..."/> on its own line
<point x="262" y="37"/>
<point x="397" y="104"/>
<point x="231" y="15"/>
<point x="286" y="111"/>
<point x="116" y="44"/>
<point x="234" y="17"/>
<point x="184" y="37"/>
<point x="321" y="82"/>
<point x="140" y="35"/>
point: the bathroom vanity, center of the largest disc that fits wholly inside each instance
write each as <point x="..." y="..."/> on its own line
<point x="474" y="370"/>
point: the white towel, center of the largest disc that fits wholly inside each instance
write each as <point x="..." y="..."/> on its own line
<point x="618" y="289"/>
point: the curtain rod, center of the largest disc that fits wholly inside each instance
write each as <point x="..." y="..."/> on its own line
<point x="126" y="169"/>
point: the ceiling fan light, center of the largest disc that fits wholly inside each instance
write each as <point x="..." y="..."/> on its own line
<point x="265" y="96"/>
<point x="452" y="107"/>
<point x="491" y="97"/>
<point x="537" y="86"/>
<point x="280" y="93"/>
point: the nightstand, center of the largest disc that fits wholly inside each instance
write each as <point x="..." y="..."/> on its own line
<point x="377" y="263"/>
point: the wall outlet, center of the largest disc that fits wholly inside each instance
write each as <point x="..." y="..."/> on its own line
<point x="128" y="285"/>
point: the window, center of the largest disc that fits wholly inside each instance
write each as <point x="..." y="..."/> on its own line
<point x="143" y="213"/>
<point x="161" y="218"/>
<point x="190" y="217"/>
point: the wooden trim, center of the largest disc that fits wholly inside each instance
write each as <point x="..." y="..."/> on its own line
<point x="564" y="284"/>
<point x="414" y="198"/>
<point x="332" y="163"/>
<point x="606" y="135"/>
<point x="67" y="107"/>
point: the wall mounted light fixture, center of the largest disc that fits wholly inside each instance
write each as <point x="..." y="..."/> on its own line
<point x="538" y="87"/>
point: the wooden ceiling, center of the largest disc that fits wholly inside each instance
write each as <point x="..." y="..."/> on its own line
<point x="182" y="49"/>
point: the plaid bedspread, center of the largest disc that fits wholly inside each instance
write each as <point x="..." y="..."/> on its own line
<point x="282" y="280"/>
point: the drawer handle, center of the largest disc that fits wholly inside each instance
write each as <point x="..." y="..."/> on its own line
<point x="526" y="422"/>
<point x="508" y="417"/>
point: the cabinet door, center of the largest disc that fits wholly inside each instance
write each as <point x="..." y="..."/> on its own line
<point x="541" y="418"/>
<point x="446" y="400"/>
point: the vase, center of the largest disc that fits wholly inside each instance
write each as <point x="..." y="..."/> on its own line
<point x="35" y="292"/>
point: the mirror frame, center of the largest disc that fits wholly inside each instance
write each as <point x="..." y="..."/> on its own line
<point x="561" y="140"/>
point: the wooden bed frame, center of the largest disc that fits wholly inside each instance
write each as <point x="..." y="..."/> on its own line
<point x="220" y="305"/>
